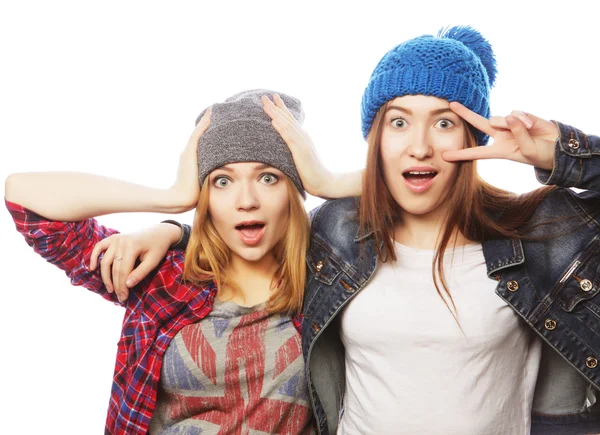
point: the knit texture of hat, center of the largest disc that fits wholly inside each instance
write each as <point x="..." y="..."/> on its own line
<point x="457" y="65"/>
<point x="240" y="131"/>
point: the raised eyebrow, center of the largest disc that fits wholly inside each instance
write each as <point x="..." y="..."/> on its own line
<point x="224" y="168"/>
<point x="399" y="108"/>
<point x="263" y="166"/>
<point x="435" y="112"/>
<point x="258" y="166"/>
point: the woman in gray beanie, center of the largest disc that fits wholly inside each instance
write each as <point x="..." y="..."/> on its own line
<point x="210" y="341"/>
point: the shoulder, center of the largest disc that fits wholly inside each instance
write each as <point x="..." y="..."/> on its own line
<point x="335" y="215"/>
<point x="569" y="203"/>
<point x="166" y="281"/>
<point x="335" y="239"/>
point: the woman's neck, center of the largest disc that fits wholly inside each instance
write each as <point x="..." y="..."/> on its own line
<point x="425" y="231"/>
<point x="252" y="280"/>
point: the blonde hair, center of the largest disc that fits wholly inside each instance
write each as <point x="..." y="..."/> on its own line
<point x="207" y="257"/>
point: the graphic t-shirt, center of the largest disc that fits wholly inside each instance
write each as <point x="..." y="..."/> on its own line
<point x="238" y="371"/>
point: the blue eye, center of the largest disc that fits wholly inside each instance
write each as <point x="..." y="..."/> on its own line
<point x="444" y="123"/>
<point x="221" y="182"/>
<point x="269" y="178"/>
<point x="399" y="123"/>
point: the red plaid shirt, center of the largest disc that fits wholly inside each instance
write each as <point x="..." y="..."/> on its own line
<point x="157" y="308"/>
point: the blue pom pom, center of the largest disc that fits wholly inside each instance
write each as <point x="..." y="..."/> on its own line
<point x="477" y="43"/>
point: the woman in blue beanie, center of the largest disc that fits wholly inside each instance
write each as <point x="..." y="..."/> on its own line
<point x="437" y="303"/>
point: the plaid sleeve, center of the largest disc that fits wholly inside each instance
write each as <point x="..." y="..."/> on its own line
<point x="297" y="321"/>
<point x="67" y="245"/>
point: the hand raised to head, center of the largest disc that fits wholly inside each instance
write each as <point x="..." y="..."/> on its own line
<point x="519" y="137"/>
<point x="313" y="173"/>
<point x="186" y="189"/>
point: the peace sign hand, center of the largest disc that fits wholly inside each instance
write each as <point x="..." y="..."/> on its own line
<point x="519" y="137"/>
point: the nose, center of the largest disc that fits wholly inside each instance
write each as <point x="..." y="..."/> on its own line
<point x="420" y="144"/>
<point x="246" y="198"/>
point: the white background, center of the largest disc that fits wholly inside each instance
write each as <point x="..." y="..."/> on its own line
<point x="114" y="87"/>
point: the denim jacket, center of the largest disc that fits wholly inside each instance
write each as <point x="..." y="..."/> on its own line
<point x="552" y="284"/>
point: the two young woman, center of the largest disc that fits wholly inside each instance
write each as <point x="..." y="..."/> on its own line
<point x="438" y="303"/>
<point x="209" y="342"/>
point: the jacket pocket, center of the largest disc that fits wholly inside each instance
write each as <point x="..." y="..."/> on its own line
<point x="582" y="282"/>
<point x="322" y="266"/>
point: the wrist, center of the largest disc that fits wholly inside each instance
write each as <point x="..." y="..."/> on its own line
<point x="177" y="234"/>
<point x="182" y="197"/>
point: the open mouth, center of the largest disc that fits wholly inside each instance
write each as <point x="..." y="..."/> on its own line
<point x="250" y="229"/>
<point x="419" y="177"/>
<point x="250" y="233"/>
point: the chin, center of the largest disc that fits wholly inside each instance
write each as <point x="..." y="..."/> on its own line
<point x="251" y="255"/>
<point x="418" y="209"/>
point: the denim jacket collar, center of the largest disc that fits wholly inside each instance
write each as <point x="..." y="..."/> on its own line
<point x="502" y="253"/>
<point x="362" y="234"/>
<point x="498" y="253"/>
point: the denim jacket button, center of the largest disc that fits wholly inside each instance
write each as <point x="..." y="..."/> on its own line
<point x="550" y="324"/>
<point x="319" y="266"/>
<point x="573" y="144"/>
<point x="591" y="362"/>
<point x="512" y="286"/>
<point x="586" y="285"/>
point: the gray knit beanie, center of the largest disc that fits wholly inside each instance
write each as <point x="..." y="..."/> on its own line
<point x="240" y="131"/>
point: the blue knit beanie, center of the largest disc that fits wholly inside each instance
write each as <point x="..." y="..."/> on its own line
<point x="457" y="65"/>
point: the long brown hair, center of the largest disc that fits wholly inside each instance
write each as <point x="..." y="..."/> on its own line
<point x="477" y="205"/>
<point x="207" y="257"/>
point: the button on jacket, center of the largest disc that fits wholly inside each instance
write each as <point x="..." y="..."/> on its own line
<point x="551" y="282"/>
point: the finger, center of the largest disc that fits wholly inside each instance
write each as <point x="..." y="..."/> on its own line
<point x="269" y="106"/>
<point x="205" y="121"/>
<point x="147" y="265"/>
<point x="476" y="120"/>
<point x="122" y="273"/>
<point x="535" y="120"/>
<point x="105" y="268"/>
<point x="277" y="110"/>
<point x="475" y="153"/>
<point x="519" y="130"/>
<point x="116" y="265"/>
<point x="523" y="117"/>
<point x="100" y="247"/>
<point x="275" y="113"/>
<point x="499" y="123"/>
<point x="281" y="104"/>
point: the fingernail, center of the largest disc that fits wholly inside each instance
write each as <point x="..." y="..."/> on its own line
<point x="130" y="282"/>
<point x="523" y="117"/>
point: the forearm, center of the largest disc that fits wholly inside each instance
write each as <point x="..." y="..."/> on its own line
<point x="73" y="196"/>
<point x="576" y="161"/>
<point x="342" y="185"/>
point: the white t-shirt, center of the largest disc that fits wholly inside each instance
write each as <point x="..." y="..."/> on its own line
<point x="409" y="368"/>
